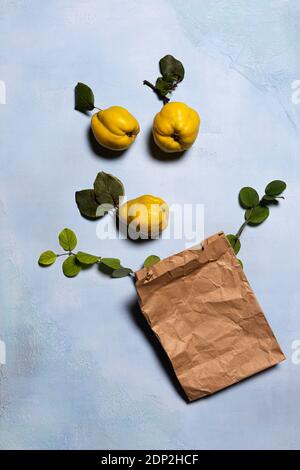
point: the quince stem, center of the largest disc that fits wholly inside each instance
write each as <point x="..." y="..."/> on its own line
<point x="239" y="233"/>
<point x="65" y="254"/>
<point x="164" y="99"/>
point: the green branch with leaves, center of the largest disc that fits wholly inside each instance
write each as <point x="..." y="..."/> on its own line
<point x="172" y="73"/>
<point x="75" y="262"/>
<point x="256" y="209"/>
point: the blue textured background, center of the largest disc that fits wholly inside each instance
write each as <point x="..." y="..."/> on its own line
<point x="80" y="371"/>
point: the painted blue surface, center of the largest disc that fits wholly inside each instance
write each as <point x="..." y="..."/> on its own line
<point x="80" y="372"/>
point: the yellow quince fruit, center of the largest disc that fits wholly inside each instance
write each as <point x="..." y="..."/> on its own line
<point x="115" y="128"/>
<point x="145" y="216"/>
<point x="175" y="127"/>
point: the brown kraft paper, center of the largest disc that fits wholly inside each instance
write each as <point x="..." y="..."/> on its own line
<point x="201" y="307"/>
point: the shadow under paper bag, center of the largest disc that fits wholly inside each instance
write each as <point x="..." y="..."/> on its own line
<point x="202" y="309"/>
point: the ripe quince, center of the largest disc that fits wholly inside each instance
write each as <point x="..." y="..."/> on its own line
<point x="115" y="128"/>
<point x="175" y="127"/>
<point x="146" y="215"/>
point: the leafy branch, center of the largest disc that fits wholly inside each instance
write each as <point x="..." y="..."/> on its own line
<point x="74" y="262"/>
<point x="256" y="209"/>
<point x="172" y="72"/>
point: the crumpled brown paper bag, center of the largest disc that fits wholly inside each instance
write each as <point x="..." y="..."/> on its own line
<point x="202" y="309"/>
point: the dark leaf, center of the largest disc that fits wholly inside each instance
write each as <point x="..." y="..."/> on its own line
<point x="162" y="86"/>
<point x="105" y="269"/>
<point x="84" y="98"/>
<point x="234" y="242"/>
<point x="87" y="204"/>
<point x="268" y="200"/>
<point x="171" y="67"/>
<point x="257" y="215"/>
<point x="248" y="197"/>
<point x="275" y="188"/>
<point x="121" y="272"/>
<point x="105" y="198"/>
<point x="170" y="79"/>
<point x="108" y="189"/>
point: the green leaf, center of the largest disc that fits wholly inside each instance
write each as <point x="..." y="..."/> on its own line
<point x="106" y="200"/>
<point x="151" y="260"/>
<point x="234" y="242"/>
<point x="86" y="258"/>
<point x="108" y="189"/>
<point x="170" y="79"/>
<point x="71" y="267"/>
<point x="67" y="239"/>
<point x="163" y="86"/>
<point x="84" y="98"/>
<point x="268" y="200"/>
<point x="47" y="258"/>
<point x="257" y="215"/>
<point x="121" y="272"/>
<point x="248" y="197"/>
<point x="169" y="66"/>
<point x="241" y="263"/>
<point x="104" y="209"/>
<point x="112" y="263"/>
<point x="87" y="204"/>
<point x="275" y="188"/>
